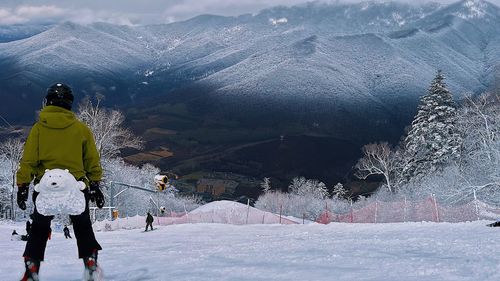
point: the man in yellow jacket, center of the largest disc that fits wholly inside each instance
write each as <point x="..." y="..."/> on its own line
<point x="59" y="140"/>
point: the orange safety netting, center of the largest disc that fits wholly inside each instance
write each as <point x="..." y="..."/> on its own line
<point x="407" y="211"/>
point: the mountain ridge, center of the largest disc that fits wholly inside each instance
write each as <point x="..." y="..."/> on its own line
<point x="347" y="52"/>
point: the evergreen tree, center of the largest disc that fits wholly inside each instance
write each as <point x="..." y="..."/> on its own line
<point x="266" y="185"/>
<point x="433" y="139"/>
<point x="339" y="191"/>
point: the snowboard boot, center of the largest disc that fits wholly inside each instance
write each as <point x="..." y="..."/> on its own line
<point x="90" y="263"/>
<point x="32" y="266"/>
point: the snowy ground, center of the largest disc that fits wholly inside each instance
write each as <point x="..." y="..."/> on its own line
<point x="401" y="251"/>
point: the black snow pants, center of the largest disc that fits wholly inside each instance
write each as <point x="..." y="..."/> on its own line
<point x="40" y="229"/>
<point x="149" y="224"/>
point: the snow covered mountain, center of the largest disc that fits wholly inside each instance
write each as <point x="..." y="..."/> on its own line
<point x="19" y="31"/>
<point x="360" y="63"/>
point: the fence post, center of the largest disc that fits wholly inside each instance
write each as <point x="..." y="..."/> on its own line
<point x="248" y="209"/>
<point x="111" y="199"/>
<point x="475" y="204"/>
<point x="327" y="213"/>
<point x="281" y="210"/>
<point x="404" y="211"/>
<point x="185" y="211"/>
<point x="435" y="206"/>
<point x="352" y="215"/>
<point x="376" y="209"/>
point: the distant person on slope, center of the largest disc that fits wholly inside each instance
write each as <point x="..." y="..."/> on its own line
<point x="59" y="140"/>
<point x="149" y="221"/>
<point x="66" y="232"/>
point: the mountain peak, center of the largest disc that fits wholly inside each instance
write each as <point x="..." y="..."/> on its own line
<point x="470" y="9"/>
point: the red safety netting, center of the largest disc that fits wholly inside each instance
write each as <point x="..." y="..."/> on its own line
<point x="407" y="211"/>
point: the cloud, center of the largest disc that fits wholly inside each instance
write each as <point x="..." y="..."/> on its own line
<point x="133" y="12"/>
<point x="7" y="17"/>
<point x="30" y="14"/>
<point x="86" y="16"/>
<point x="47" y="14"/>
<point x="188" y="8"/>
<point x="34" y="12"/>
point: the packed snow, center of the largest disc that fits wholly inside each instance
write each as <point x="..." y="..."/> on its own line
<point x="337" y="251"/>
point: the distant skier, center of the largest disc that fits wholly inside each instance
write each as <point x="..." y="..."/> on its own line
<point x="149" y="221"/>
<point x="15" y="236"/>
<point x="66" y="232"/>
<point x="60" y="140"/>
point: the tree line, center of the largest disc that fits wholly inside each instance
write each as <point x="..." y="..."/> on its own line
<point x="451" y="151"/>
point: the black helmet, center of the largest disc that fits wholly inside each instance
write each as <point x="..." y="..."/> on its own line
<point x="60" y="95"/>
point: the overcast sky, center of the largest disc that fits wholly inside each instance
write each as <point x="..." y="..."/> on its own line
<point x="132" y="12"/>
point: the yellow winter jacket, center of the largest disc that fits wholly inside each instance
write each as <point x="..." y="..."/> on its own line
<point x="59" y="140"/>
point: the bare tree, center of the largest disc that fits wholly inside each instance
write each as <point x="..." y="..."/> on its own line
<point x="479" y="123"/>
<point x="379" y="159"/>
<point x="12" y="151"/>
<point x="107" y="127"/>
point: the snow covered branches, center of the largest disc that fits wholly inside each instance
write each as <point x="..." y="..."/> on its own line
<point x="266" y="185"/>
<point x="433" y="139"/>
<point x="379" y="159"/>
<point x="453" y="153"/>
<point x="131" y="201"/>
<point x="11" y="151"/>
<point x="306" y="187"/>
<point x="306" y="199"/>
<point x="479" y="124"/>
<point x="107" y="127"/>
<point x="476" y="173"/>
<point x="339" y="191"/>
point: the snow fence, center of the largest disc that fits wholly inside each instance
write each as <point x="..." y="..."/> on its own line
<point x="226" y="212"/>
<point x="407" y="211"/>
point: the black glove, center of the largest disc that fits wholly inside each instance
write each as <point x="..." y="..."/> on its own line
<point x="22" y="195"/>
<point x="95" y="194"/>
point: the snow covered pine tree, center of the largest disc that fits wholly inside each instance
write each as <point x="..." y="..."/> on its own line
<point x="433" y="139"/>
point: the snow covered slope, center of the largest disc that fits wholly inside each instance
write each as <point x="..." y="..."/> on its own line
<point x="201" y="252"/>
<point x="20" y="31"/>
<point x="105" y="49"/>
